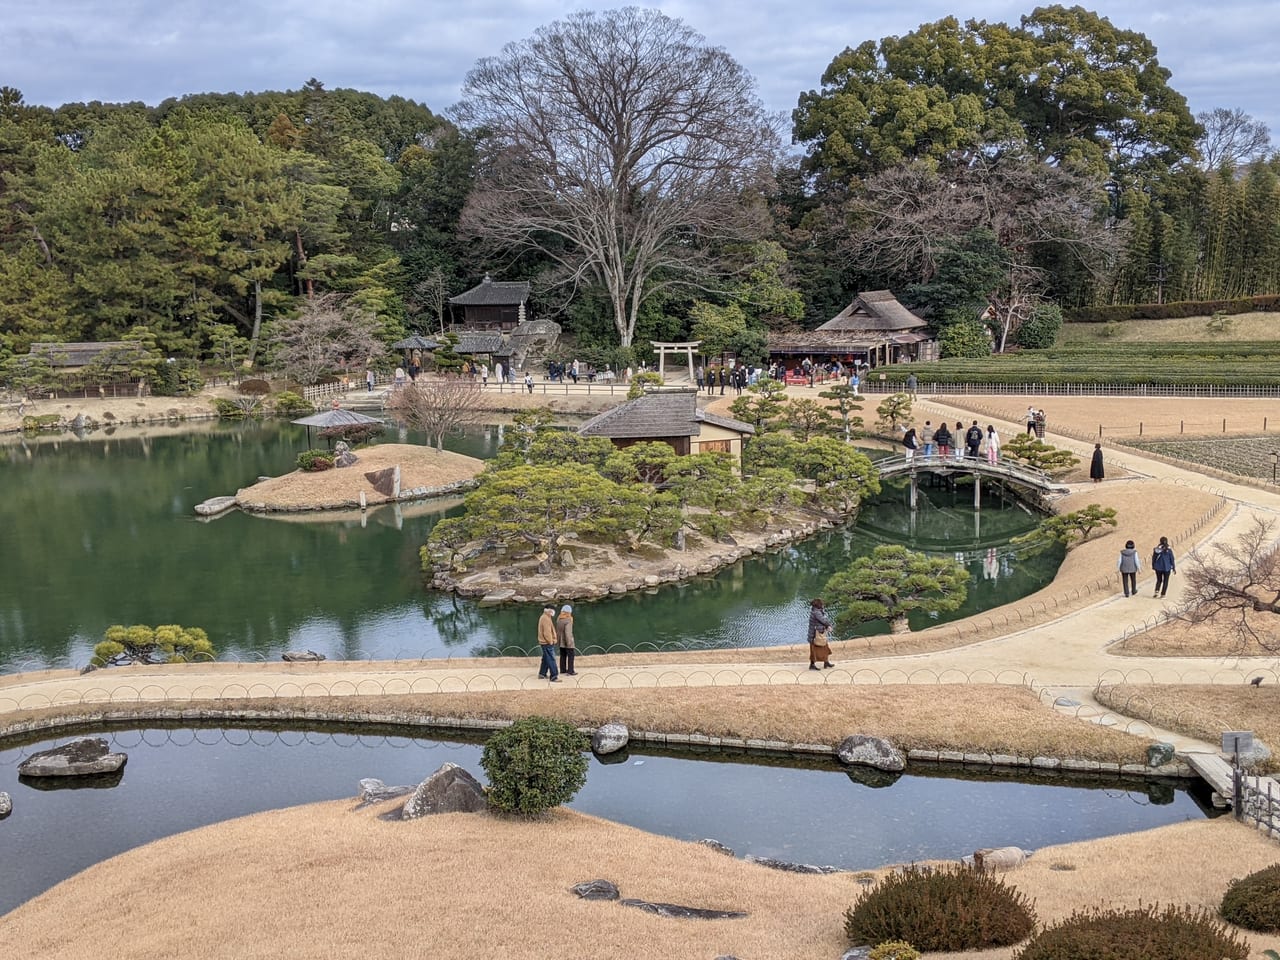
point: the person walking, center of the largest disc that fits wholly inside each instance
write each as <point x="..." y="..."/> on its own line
<point x="819" y="635"/>
<point x="368" y="380"/>
<point x="699" y="376"/>
<point x="1031" y="420"/>
<point x="564" y="634"/>
<point x="1096" y="470"/>
<point x="909" y="444"/>
<point x="724" y="380"/>
<point x="547" y="644"/>
<point x="972" y="441"/>
<point x="1163" y="563"/>
<point x="528" y="382"/>
<point x="1129" y="564"/>
<point x="926" y="436"/>
<point x="912" y="383"/>
<point x="993" y="445"/>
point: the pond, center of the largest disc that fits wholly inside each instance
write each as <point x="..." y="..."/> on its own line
<point x="181" y="778"/>
<point x="101" y="530"/>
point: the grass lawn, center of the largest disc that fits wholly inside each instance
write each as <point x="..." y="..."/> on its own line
<point x="1244" y="327"/>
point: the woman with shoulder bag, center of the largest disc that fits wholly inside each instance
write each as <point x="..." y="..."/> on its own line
<point x="819" y="635"/>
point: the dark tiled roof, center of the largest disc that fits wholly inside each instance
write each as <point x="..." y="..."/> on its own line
<point x="416" y="342"/>
<point x="662" y="413"/>
<point x="875" y="311"/>
<point x="80" y="354"/>
<point x="493" y="293"/>
<point x="470" y="342"/>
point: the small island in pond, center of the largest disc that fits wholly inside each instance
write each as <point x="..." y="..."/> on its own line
<point x="423" y="472"/>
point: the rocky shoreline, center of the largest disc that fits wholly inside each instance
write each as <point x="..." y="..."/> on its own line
<point x="576" y="579"/>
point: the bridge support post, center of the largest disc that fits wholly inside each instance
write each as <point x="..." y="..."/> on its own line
<point x="977" y="491"/>
<point x="914" y="493"/>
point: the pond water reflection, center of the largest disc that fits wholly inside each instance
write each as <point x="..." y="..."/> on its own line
<point x="181" y="778"/>
<point x="101" y="530"/>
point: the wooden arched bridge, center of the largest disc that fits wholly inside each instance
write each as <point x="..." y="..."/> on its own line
<point x="977" y="467"/>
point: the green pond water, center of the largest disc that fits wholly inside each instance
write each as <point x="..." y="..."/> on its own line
<point x="100" y="529"/>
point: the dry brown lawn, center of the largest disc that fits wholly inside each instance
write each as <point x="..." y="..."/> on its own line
<point x="327" y="881"/>
<point x="1178" y="638"/>
<point x="974" y="718"/>
<point x="419" y="467"/>
<point x="1201" y="710"/>
<point x="1243" y="327"/>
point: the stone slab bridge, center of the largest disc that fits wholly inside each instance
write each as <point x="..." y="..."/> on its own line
<point x="974" y="467"/>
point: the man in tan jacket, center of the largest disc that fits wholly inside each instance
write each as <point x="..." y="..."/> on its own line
<point x="564" y="631"/>
<point x="547" y="643"/>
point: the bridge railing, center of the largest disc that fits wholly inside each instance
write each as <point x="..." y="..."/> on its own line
<point x="1019" y="471"/>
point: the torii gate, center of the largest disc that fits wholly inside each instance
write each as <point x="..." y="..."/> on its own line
<point x="662" y="349"/>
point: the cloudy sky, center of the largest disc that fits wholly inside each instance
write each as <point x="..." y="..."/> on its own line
<point x="1224" y="53"/>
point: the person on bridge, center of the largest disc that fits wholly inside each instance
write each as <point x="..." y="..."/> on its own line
<point x="926" y="436"/>
<point x="943" y="439"/>
<point x="973" y="440"/>
<point x="819" y="635"/>
<point x="1129" y="564"/>
<point x="993" y="445"/>
<point x="958" y="440"/>
<point x="909" y="444"/>
<point x="547" y="644"/>
<point x="1163" y="563"/>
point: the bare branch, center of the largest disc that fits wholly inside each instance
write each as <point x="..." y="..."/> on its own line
<point x="1237" y="580"/>
<point x="439" y="407"/>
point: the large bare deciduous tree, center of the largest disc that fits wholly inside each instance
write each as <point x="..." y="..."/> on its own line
<point x="623" y="147"/>
<point x="329" y="333"/>
<point x="1231" y="138"/>
<point x="1237" y="585"/>
<point x="439" y="407"/>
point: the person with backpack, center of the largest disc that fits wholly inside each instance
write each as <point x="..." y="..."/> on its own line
<point x="973" y="440"/>
<point x="1163" y="563"/>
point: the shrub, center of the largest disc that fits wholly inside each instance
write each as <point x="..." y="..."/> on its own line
<point x="313" y="461"/>
<point x="639" y="381"/>
<point x="1146" y="933"/>
<point x="254" y="387"/>
<point x="967" y="338"/>
<point x="533" y="765"/>
<point x="947" y="908"/>
<point x="1254" y="901"/>
<point x="237" y="409"/>
<point x="354" y="434"/>
<point x="1040" y="331"/>
<point x="894" y="950"/>
<point x="168" y="643"/>
<point x="289" y="404"/>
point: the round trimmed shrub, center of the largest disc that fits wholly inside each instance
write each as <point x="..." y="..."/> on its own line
<point x="533" y="765"/>
<point x="254" y="387"/>
<point x="313" y="461"/>
<point x="1253" y="902"/>
<point x="1146" y="933"/>
<point x="1040" y="330"/>
<point x="290" y="404"/>
<point x="941" y="908"/>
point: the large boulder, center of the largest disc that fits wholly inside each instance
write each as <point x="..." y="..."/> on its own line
<point x="449" y="790"/>
<point x="1158" y="754"/>
<point x="596" y="890"/>
<point x="871" y="752"/>
<point x="6" y="805"/>
<point x="610" y="738"/>
<point x="1000" y="858"/>
<point x="84" y="757"/>
<point x="373" y="790"/>
<point x="301" y="656"/>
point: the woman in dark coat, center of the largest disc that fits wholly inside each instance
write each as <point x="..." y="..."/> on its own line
<point x="819" y="646"/>
<point x="1096" y="470"/>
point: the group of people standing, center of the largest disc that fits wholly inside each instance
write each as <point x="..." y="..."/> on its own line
<point x="1163" y="563"/>
<point x="556" y="633"/>
<point x="943" y="442"/>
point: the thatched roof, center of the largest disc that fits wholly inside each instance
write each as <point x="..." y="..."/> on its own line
<point x="875" y="311"/>
<point x="475" y="342"/>
<point x="82" y="354"/>
<point x="493" y="293"/>
<point x="657" y="414"/>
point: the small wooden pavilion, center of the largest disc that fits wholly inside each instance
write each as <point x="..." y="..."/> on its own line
<point x="670" y="415"/>
<point x="874" y="330"/>
<point x="492" y="305"/>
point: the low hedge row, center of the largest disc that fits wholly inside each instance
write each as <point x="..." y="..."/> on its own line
<point x="1170" y="311"/>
